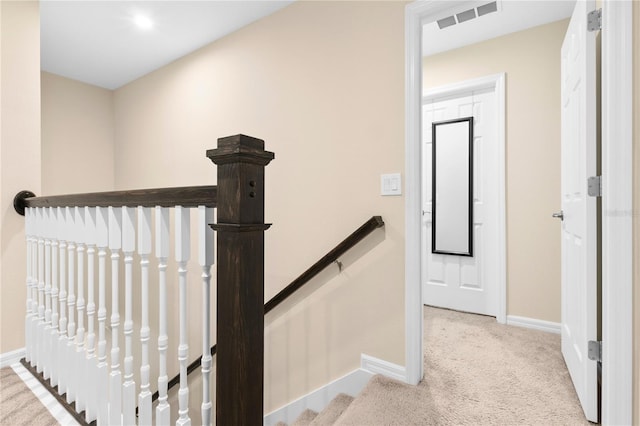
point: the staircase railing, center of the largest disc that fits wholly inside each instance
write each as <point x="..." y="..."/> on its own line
<point x="63" y="233"/>
<point x="331" y="257"/>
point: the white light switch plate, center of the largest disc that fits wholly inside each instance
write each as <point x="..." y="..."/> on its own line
<point x="391" y="184"/>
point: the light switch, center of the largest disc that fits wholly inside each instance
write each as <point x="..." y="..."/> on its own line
<point x="391" y="184"/>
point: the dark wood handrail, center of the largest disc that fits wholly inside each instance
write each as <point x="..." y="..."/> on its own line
<point x="185" y="196"/>
<point x="353" y="239"/>
<point x="358" y="235"/>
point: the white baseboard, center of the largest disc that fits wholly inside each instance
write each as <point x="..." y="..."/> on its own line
<point x="8" y="358"/>
<point x="350" y="384"/>
<point x="535" y="324"/>
<point x="379" y="366"/>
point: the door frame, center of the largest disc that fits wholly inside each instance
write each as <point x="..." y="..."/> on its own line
<point x="496" y="82"/>
<point x="617" y="202"/>
<point x="617" y="212"/>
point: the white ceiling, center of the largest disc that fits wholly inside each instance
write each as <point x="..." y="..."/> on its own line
<point x="512" y="16"/>
<point x="97" y="42"/>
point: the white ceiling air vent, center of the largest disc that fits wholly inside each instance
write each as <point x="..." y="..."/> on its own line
<point x="487" y="8"/>
<point x="468" y="15"/>
<point x="446" y="22"/>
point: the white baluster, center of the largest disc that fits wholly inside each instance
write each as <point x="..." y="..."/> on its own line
<point x="34" y="288"/>
<point x="63" y="360"/>
<point x="46" y="336"/>
<point x="115" y="378"/>
<point x="38" y="280"/>
<point x="27" y="319"/>
<point x="41" y="309"/>
<point x="91" y="361"/>
<point x="144" y="249"/>
<point x="81" y="382"/>
<point x="102" y="373"/>
<point x="163" y="410"/>
<point x="182" y="256"/>
<point x="128" y="247"/>
<point x="72" y="372"/>
<point x="55" y="318"/>
<point x="205" y="259"/>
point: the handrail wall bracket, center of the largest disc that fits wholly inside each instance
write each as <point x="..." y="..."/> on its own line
<point x="19" y="201"/>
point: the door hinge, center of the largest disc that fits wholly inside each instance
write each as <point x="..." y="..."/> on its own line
<point x="594" y="350"/>
<point x="594" y="186"/>
<point x="594" y="20"/>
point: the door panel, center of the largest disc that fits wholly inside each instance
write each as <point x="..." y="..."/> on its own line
<point x="578" y="238"/>
<point x="465" y="283"/>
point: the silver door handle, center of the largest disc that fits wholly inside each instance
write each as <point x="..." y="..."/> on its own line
<point x="559" y="215"/>
<point x="425" y="212"/>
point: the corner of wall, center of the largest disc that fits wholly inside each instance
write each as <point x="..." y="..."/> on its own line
<point x="20" y="146"/>
<point x="636" y="211"/>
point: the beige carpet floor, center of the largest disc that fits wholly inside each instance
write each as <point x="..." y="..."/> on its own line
<point x="18" y="405"/>
<point x="477" y="372"/>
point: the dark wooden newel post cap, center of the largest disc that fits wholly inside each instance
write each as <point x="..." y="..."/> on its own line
<point x="240" y="149"/>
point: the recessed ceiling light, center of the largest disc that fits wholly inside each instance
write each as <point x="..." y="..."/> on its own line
<point x="143" y="22"/>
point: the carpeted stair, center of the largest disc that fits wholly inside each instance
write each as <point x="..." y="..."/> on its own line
<point x="347" y="410"/>
<point x="329" y="416"/>
<point x="477" y="372"/>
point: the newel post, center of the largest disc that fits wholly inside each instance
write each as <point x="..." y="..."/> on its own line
<point x="240" y="282"/>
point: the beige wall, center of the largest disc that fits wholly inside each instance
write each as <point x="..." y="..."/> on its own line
<point x="77" y="136"/>
<point x="636" y="211"/>
<point x="531" y="60"/>
<point x="19" y="154"/>
<point x="323" y="84"/>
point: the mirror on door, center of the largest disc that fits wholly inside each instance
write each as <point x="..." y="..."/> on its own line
<point x="452" y="227"/>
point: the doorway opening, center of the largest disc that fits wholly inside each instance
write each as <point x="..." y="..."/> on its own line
<point x="617" y="187"/>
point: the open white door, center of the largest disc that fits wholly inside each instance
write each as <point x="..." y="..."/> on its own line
<point x="579" y="225"/>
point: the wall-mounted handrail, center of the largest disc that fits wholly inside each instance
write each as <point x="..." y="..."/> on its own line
<point x="186" y="196"/>
<point x="358" y="235"/>
<point x="332" y="256"/>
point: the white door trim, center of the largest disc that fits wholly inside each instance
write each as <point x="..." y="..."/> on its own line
<point x="617" y="206"/>
<point x="497" y="83"/>
<point x="617" y="203"/>
<point x="416" y="13"/>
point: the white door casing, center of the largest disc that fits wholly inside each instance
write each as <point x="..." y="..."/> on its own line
<point x="471" y="284"/>
<point x="617" y="212"/>
<point x="579" y="226"/>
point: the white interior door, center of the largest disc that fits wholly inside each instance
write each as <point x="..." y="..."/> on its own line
<point x="462" y="283"/>
<point x="579" y="226"/>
